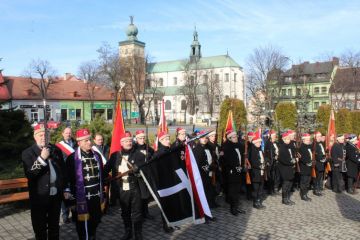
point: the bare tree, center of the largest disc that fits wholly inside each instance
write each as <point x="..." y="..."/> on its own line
<point x="90" y="73"/>
<point x="191" y="84"/>
<point x="42" y="76"/>
<point x="212" y="90"/>
<point x="110" y="69"/>
<point x="138" y="83"/>
<point x="265" y="66"/>
<point x="345" y="86"/>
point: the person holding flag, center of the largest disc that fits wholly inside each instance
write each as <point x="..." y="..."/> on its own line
<point x="206" y="167"/>
<point x="143" y="147"/>
<point x="123" y="167"/>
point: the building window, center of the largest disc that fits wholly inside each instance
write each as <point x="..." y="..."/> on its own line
<point x="72" y="114"/>
<point x="99" y="112"/>
<point x="109" y="114"/>
<point x="235" y="77"/>
<point x="323" y="103"/>
<point x="206" y="78"/>
<point x="167" y="105"/>
<point x="290" y="92"/>
<point x="161" y="82"/>
<point x="298" y="91"/>
<point x="217" y="99"/>
<point x="183" y="104"/>
<point x="316" y="90"/>
<point x="217" y="77"/>
<point x="34" y="115"/>
<point x="78" y="114"/>
<point x="64" y="115"/>
<point x="226" y="77"/>
<point x="323" y="90"/>
<point x="283" y="92"/>
<point x="316" y="105"/>
<point x="175" y="81"/>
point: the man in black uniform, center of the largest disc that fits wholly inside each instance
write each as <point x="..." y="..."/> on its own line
<point x="272" y="156"/>
<point x="215" y="153"/>
<point x="306" y="163"/>
<point x="287" y="168"/>
<point x="257" y="171"/>
<point x="206" y="166"/>
<point x="338" y="154"/>
<point x="320" y="159"/>
<point x="352" y="162"/>
<point x="44" y="168"/>
<point x="295" y="153"/>
<point x="179" y="143"/>
<point x="85" y="181"/>
<point x="147" y="151"/>
<point x="122" y="166"/>
<point x="233" y="164"/>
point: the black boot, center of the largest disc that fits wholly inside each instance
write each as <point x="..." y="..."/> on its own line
<point x="233" y="211"/>
<point x="285" y="198"/>
<point x="128" y="233"/>
<point x="138" y="230"/>
<point x="289" y="200"/>
<point x="167" y="229"/>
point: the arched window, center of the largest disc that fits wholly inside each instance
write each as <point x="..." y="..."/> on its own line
<point x="183" y="104"/>
<point x="167" y="105"/>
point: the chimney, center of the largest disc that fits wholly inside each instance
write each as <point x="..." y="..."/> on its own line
<point x="67" y="76"/>
<point x="335" y="60"/>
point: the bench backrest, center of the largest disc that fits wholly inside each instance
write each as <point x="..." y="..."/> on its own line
<point x="13" y="183"/>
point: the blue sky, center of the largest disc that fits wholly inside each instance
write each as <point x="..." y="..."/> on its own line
<point x="67" y="33"/>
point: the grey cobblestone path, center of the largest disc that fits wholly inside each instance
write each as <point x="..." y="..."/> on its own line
<point x="333" y="216"/>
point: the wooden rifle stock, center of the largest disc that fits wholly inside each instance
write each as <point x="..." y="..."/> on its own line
<point x="213" y="176"/>
<point x="247" y="163"/>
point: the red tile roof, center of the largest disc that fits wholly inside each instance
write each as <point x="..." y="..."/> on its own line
<point x="347" y="79"/>
<point x="4" y="91"/>
<point x="68" y="88"/>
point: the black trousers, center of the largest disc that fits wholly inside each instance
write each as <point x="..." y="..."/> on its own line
<point x="318" y="182"/>
<point x="88" y="228"/>
<point x="233" y="194"/>
<point x="337" y="180"/>
<point x="131" y="206"/>
<point x="286" y="187"/>
<point x="275" y="178"/>
<point x="304" y="184"/>
<point x="258" y="188"/>
<point x="45" y="219"/>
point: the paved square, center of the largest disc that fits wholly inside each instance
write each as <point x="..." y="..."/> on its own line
<point x="333" y="216"/>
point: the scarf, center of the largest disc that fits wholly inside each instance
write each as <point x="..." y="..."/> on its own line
<point x="81" y="204"/>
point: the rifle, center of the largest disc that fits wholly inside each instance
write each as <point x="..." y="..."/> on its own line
<point x="147" y="142"/>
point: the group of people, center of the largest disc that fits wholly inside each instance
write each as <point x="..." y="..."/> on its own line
<point x="78" y="177"/>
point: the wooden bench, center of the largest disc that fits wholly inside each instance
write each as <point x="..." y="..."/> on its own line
<point x="13" y="184"/>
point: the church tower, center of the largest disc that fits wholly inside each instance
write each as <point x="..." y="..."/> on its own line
<point x="195" y="52"/>
<point x="131" y="47"/>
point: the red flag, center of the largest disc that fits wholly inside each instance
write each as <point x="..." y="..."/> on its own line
<point x="162" y="124"/>
<point x="230" y="124"/>
<point x="118" y="129"/>
<point x="330" y="137"/>
<point x="331" y="133"/>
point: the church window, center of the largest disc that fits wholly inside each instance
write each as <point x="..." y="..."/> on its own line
<point x="183" y="104"/>
<point x="167" y="105"/>
<point x="217" y="78"/>
<point x="226" y="77"/>
<point x="175" y="80"/>
<point x="161" y="82"/>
